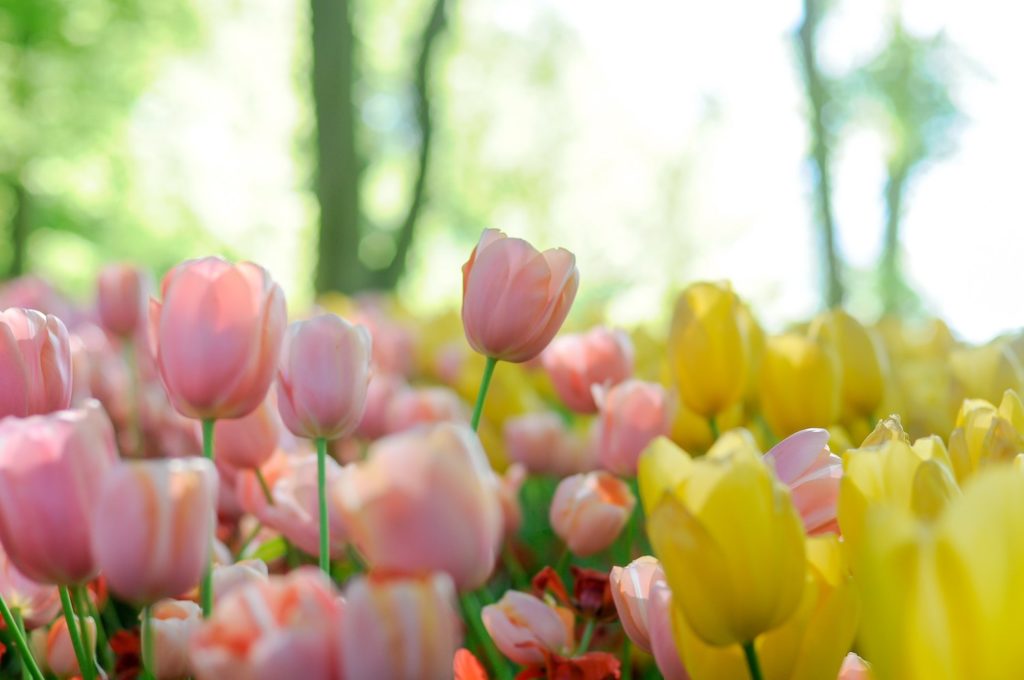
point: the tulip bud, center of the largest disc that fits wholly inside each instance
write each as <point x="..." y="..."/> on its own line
<point x="579" y="362"/>
<point x="631" y="590"/>
<point x="799" y="384"/>
<point x="514" y="298"/>
<point x="216" y="336"/>
<point x="659" y="625"/>
<point x="589" y="511"/>
<point x="633" y="414"/>
<point x="987" y="372"/>
<point x="121" y="298"/>
<point x="861" y="362"/>
<point x="399" y="628"/>
<point x="35" y="363"/>
<point x="54" y="651"/>
<point x="249" y="441"/>
<point x="524" y="627"/>
<point x="51" y="470"/>
<point x="854" y="668"/>
<point x="172" y="624"/>
<point x="804" y="463"/>
<point x="227" y="577"/>
<point x="323" y="377"/>
<point x="541" y="442"/>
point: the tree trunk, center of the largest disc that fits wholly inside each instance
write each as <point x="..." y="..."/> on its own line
<point x="894" y="287"/>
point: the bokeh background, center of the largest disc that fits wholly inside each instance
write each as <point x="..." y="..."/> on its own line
<point x="863" y="151"/>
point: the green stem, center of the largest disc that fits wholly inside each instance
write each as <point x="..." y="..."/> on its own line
<point x="471" y="612"/>
<point x="563" y="560"/>
<point x="485" y="384"/>
<point x="20" y="643"/>
<point x="148" y="660"/>
<point x="321" y="488"/>
<point x="86" y="607"/>
<point x="588" y="635"/>
<point x="713" y="425"/>
<point x="206" y="587"/>
<point x="627" y="660"/>
<point x="266" y="487"/>
<point x="247" y="540"/>
<point x="752" y="663"/>
<point x="520" y="579"/>
<point x="84" y="660"/>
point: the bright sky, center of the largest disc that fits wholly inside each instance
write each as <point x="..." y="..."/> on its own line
<point x="679" y="154"/>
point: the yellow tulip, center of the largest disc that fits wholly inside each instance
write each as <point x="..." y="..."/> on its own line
<point x="693" y="432"/>
<point x="727" y="535"/>
<point x="861" y="362"/>
<point x="986" y="372"/>
<point x="985" y="434"/>
<point x="944" y="600"/>
<point x="708" y="348"/>
<point x="799" y="384"/>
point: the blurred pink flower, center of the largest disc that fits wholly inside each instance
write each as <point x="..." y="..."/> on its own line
<point x="578" y="362"/>
<point x="35" y="363"/>
<point x="803" y="462"/>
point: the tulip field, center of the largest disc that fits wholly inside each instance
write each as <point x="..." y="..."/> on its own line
<point x="197" y="481"/>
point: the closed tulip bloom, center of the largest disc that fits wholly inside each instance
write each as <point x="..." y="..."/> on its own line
<point x="51" y="470"/>
<point x="425" y="500"/>
<point x="514" y="298"/>
<point x="803" y="462"/>
<point x="708" y="348"/>
<point x="985" y="434"/>
<point x="286" y="627"/>
<point x="121" y="298"/>
<point x="380" y="393"/>
<point x="633" y="414"/>
<point x="580" y="361"/>
<point x="54" y="651"/>
<point x="35" y="363"/>
<point x="422" y="405"/>
<point x="854" y="668"/>
<point x="986" y="372"/>
<point x="862" y="369"/>
<point x="541" y="442"/>
<point x="38" y="603"/>
<point x="799" y="384"/>
<point x="173" y="622"/>
<point x="323" y="377"/>
<point x="524" y="627"/>
<point x="400" y="628"/>
<point x="710" y="519"/>
<point x="216" y="336"/>
<point x="659" y="627"/>
<point x="589" y="511"/>
<point x="227" y="577"/>
<point x="631" y="590"/>
<point x="152" y="525"/>
<point x="249" y="441"/>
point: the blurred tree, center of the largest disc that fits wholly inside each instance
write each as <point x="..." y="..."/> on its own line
<point x="345" y="226"/>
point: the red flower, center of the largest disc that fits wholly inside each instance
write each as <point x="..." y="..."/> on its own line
<point x="467" y="666"/>
<point x="590" y="666"/>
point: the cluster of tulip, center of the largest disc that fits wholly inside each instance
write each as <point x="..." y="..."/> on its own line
<point x="218" y="494"/>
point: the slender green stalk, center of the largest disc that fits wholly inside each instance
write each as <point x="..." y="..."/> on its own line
<point x="147" y="643"/>
<point x="627" y="660"/>
<point x="485" y="384"/>
<point x="520" y="579"/>
<point x="471" y="613"/>
<point x="588" y="635"/>
<point x="752" y="663"/>
<point x="563" y="560"/>
<point x="321" y="488"/>
<point x="13" y="621"/>
<point x="86" y="607"/>
<point x="264" y="486"/>
<point x="247" y="540"/>
<point x="85" y="662"/>
<point x="206" y="587"/>
<point x="713" y="425"/>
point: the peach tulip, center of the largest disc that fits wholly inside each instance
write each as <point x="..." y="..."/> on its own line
<point x="854" y="668"/>
<point x="541" y="442"/>
<point x="659" y="628"/>
<point x="53" y="649"/>
<point x="631" y="590"/>
<point x="152" y="524"/>
<point x="323" y="377"/>
<point x="227" y="577"/>
<point x="803" y="462"/>
<point x="292" y="479"/>
<point x="172" y="624"/>
<point x="286" y="627"/>
<point x="400" y="629"/>
<point x="633" y="414"/>
<point x="425" y="500"/>
<point x="51" y="470"/>
<point x="216" y="336"/>
<point x="514" y="298"/>
<point x="589" y="511"/>
<point x="380" y="393"/>
<point x="122" y="290"/>
<point x="578" y="362"/>
<point x="38" y="603"/>
<point x="421" y="405"/>
<point x="249" y="441"/>
<point x="35" y="363"/>
<point x="524" y="627"/>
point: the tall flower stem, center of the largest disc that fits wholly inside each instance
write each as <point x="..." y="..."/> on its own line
<point x="20" y="643"/>
<point x="485" y="384"/>
<point x="264" y="486"/>
<point x="87" y="608"/>
<point x="147" y="643"/>
<point x="321" y="488"/>
<point x="85" y="663"/>
<point x="206" y="587"/>
<point x="752" y="662"/>
<point x="470" y="605"/>
<point x="588" y="635"/>
<point x="713" y="426"/>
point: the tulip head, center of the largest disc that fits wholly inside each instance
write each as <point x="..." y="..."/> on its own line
<point x="122" y="290"/>
<point x="799" y="384"/>
<point x="862" y="366"/>
<point x="804" y="463"/>
<point x="524" y="627"/>
<point x="589" y="510"/>
<point x="633" y="413"/>
<point x="249" y="442"/>
<point x="173" y="622"/>
<point x="35" y="363"/>
<point x="578" y="362"/>
<point x="542" y="442"/>
<point x="37" y="602"/>
<point x="631" y="590"/>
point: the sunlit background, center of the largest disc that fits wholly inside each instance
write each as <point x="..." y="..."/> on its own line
<point x="662" y="142"/>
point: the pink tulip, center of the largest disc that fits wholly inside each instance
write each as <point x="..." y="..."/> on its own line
<point x="541" y="442"/>
<point x="425" y="500"/>
<point x="122" y="290"/>
<point x="152" y="524"/>
<point x="173" y="622"/>
<point x="51" y="470"/>
<point x="659" y="628"/>
<point x="631" y="590"/>
<point x="422" y="405"/>
<point x="633" y="414"/>
<point x="589" y="510"/>
<point x="854" y="668"/>
<point x="54" y="651"/>
<point x="524" y="627"/>
<point x="216" y="336"/>
<point x="508" y="493"/>
<point x="227" y="577"/>
<point x="37" y="602"/>
<point x="286" y="627"/>
<point x="34" y="292"/>
<point x="323" y="377"/>
<point x="400" y="629"/>
<point x="292" y="479"/>
<point x="578" y="362"/>
<point x="514" y="298"/>
<point x="803" y="462"/>
<point x="35" y="363"/>
<point x="380" y="393"/>
<point x="249" y="441"/>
